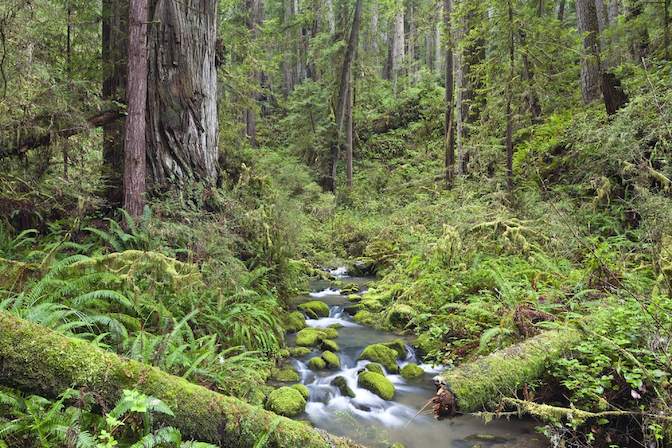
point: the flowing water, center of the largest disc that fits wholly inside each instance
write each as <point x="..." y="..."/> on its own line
<point x="376" y="422"/>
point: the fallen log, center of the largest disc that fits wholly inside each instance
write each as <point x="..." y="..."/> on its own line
<point x="477" y="385"/>
<point x="36" y="141"/>
<point x="37" y="360"/>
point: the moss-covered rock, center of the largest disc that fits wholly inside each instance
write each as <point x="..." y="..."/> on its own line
<point x="411" y="371"/>
<point x="398" y="346"/>
<point x="309" y="337"/>
<point x="362" y="267"/>
<point x="286" y="401"/>
<point x="329" y="333"/>
<point x="331" y="359"/>
<point x="317" y="363"/>
<point x="294" y="321"/>
<point x="336" y="326"/>
<point x="381" y="354"/>
<point x="303" y="390"/>
<point x="298" y="352"/>
<point x="314" y="309"/>
<point x="285" y="374"/>
<point x="375" y="367"/>
<point x="365" y="317"/>
<point x="330" y="344"/>
<point x="377" y="384"/>
<point x="342" y="385"/>
<point x="399" y="315"/>
<point x="354" y="298"/>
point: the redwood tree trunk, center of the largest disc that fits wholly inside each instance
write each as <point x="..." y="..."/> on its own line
<point x="134" y="143"/>
<point x="182" y="97"/>
<point x="449" y="131"/>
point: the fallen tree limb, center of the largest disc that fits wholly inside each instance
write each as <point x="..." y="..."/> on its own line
<point x="474" y="386"/>
<point x="37" y="360"/>
<point x="96" y="121"/>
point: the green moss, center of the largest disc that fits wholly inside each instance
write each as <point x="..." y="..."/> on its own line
<point x="375" y="367"/>
<point x="330" y="344"/>
<point x="294" y="322"/>
<point x="317" y="363"/>
<point x="336" y="326"/>
<point x="398" y="346"/>
<point x="399" y="315"/>
<point x="411" y="371"/>
<point x="381" y="354"/>
<point x="350" y="288"/>
<point x="342" y="385"/>
<point x="309" y="337"/>
<point x="315" y="309"/>
<point x="329" y="333"/>
<point x="298" y="352"/>
<point x="354" y="298"/>
<point x="286" y="374"/>
<point x="377" y="384"/>
<point x="286" y="401"/>
<point x="365" y="317"/>
<point x="331" y="359"/>
<point x="302" y="389"/>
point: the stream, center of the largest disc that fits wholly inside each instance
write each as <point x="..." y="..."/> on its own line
<point x="375" y="422"/>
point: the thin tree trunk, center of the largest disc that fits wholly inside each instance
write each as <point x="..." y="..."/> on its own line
<point x="528" y="77"/>
<point x="341" y="106"/>
<point x="331" y="17"/>
<point x="411" y="42"/>
<point x="254" y="20"/>
<point x="449" y="132"/>
<point x="666" y="29"/>
<point x="561" y="10"/>
<point x="398" y="46"/>
<point x="590" y="62"/>
<point x="287" y="62"/>
<point x="135" y="145"/>
<point x="348" y="133"/>
<point x="437" y="47"/>
<point x="182" y="101"/>
<point x="114" y="58"/>
<point x="509" y="99"/>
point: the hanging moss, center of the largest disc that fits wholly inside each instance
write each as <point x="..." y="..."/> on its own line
<point x="39" y="361"/>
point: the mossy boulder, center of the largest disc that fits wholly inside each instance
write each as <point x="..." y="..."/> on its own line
<point x="285" y="374"/>
<point x="298" y="352"/>
<point x="314" y="309"/>
<point x="399" y="315"/>
<point x="350" y="288"/>
<point x="342" y="385"/>
<point x="311" y="337"/>
<point x="398" y="346"/>
<point x="366" y="318"/>
<point x="329" y="333"/>
<point x="302" y="389"/>
<point x="317" y="363"/>
<point x="331" y="359"/>
<point x="381" y="354"/>
<point x="411" y="371"/>
<point x="375" y="367"/>
<point x="362" y="267"/>
<point x="335" y="326"/>
<point x="294" y="321"/>
<point x="330" y="344"/>
<point x="377" y="384"/>
<point x="354" y="298"/>
<point x="286" y="401"/>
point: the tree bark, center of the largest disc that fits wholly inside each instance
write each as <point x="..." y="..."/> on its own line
<point x="182" y="101"/>
<point x="561" y="10"/>
<point x="509" y="99"/>
<point x="449" y="84"/>
<point x="613" y="10"/>
<point x="398" y="46"/>
<point x="255" y="17"/>
<point x="348" y="133"/>
<point x="36" y="360"/>
<point x="114" y="64"/>
<point x="590" y="62"/>
<point x="666" y="29"/>
<point x="135" y="146"/>
<point x="481" y="384"/>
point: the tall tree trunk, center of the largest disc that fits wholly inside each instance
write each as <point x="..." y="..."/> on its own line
<point x="348" y="132"/>
<point x="666" y="29"/>
<point x="411" y="42"/>
<point x="590" y="62"/>
<point x="528" y="76"/>
<point x="437" y="47"/>
<point x="135" y="143"/>
<point x="398" y="45"/>
<point x="182" y="101"/>
<point x="114" y="57"/>
<point x="255" y="17"/>
<point x="561" y="10"/>
<point x="639" y="44"/>
<point x="342" y="100"/>
<point x="331" y="16"/>
<point x="613" y="10"/>
<point x="509" y="99"/>
<point x="288" y="57"/>
<point x="448" y="129"/>
<point x="602" y="16"/>
<point x="373" y="31"/>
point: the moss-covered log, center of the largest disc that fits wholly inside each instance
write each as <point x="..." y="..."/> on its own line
<point x="37" y="360"/>
<point x="476" y="385"/>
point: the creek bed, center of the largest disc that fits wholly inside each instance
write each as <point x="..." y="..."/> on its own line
<point x="375" y="422"/>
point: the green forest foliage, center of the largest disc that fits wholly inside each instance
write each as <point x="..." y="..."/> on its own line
<point x="199" y="285"/>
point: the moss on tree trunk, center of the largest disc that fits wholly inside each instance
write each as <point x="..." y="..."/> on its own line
<point x="37" y="360"/>
<point x="475" y="386"/>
